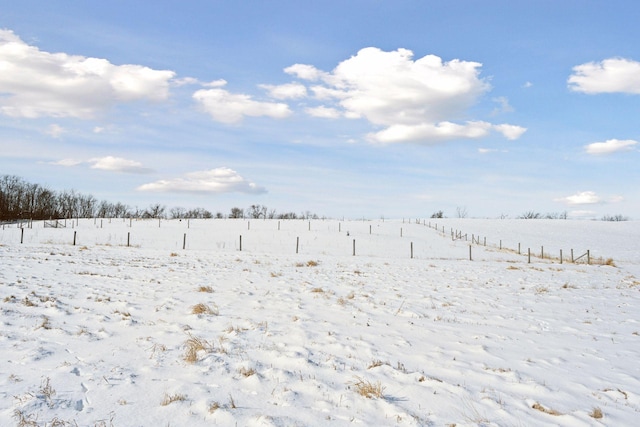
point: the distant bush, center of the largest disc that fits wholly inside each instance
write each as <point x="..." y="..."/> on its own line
<point x="438" y="214"/>
<point x="615" y="218"/>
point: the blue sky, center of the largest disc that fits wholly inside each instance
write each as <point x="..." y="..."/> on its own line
<point x="342" y="108"/>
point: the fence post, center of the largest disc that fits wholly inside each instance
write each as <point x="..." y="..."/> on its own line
<point x="241" y="243"/>
<point x="411" y="250"/>
<point x="500" y="244"/>
<point x="369" y="228"/>
<point x="354" y="247"/>
<point x="519" y="249"/>
<point x="21" y="235"/>
<point x="529" y="249"/>
<point x="339" y="227"/>
<point x="74" y="237"/>
<point x="470" y="258"/>
<point x="309" y="225"/>
<point x="400" y="231"/>
<point x="278" y="225"/>
<point x="542" y="252"/>
<point x="572" y="260"/>
<point x="248" y="225"/>
<point x="560" y="256"/>
<point x="184" y="241"/>
<point x="128" y="238"/>
<point x="588" y="257"/>
<point x="297" y="243"/>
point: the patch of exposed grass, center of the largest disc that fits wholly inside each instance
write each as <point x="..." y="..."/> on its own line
<point x="192" y="346"/>
<point x="208" y="289"/>
<point x="596" y="413"/>
<point x="368" y="389"/>
<point x="205" y="309"/>
<point x="170" y="398"/>
<point x="246" y="372"/>
<point x="549" y="411"/>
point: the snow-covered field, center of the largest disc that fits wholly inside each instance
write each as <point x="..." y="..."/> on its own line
<point x="104" y="332"/>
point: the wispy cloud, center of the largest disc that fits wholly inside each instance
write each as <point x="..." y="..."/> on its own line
<point x="286" y="91"/>
<point x="38" y="83"/>
<point x="108" y="163"/>
<point x="588" y="198"/>
<point x="214" y="181"/>
<point x="607" y="76"/>
<point x="55" y="131"/>
<point x="415" y="101"/>
<point x="610" y="146"/>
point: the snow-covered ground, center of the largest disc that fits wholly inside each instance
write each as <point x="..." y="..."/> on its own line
<point x="295" y="329"/>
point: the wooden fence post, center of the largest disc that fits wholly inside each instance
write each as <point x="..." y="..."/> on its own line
<point x="241" y="243"/>
<point x="588" y="257"/>
<point x="542" y="252"/>
<point x="184" y="241"/>
<point x="411" y="250"/>
<point x="297" y="243"/>
<point x="560" y="256"/>
<point x="354" y="247"/>
<point x="529" y="249"/>
<point x="21" y="235"/>
<point x="470" y="258"/>
<point x="74" y="237"/>
<point x="128" y="238"/>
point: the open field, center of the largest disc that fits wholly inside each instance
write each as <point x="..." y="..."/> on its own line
<point x="169" y="323"/>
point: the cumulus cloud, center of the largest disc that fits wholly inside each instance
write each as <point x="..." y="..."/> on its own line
<point x="607" y="76"/>
<point x="107" y="163"/>
<point x="610" y="146"/>
<point x="214" y="181"/>
<point x="286" y="91"/>
<point x="226" y="107"/>
<point x="35" y="83"/>
<point x="413" y="100"/>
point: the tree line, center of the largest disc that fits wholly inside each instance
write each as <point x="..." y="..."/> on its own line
<point x="20" y="199"/>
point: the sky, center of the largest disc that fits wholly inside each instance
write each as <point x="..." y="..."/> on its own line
<point x="354" y="109"/>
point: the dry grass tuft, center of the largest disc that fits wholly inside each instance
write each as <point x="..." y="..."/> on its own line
<point x="170" y="398"/>
<point x="246" y="372"/>
<point x="377" y="363"/>
<point x="205" y="309"/>
<point x="213" y="407"/>
<point x="317" y="290"/>
<point x="193" y="346"/>
<point x="173" y="254"/>
<point x="310" y="263"/>
<point x="596" y="413"/>
<point x="549" y="411"/>
<point x="368" y="389"/>
<point x="208" y="289"/>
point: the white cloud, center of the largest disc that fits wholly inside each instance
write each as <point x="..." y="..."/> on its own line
<point x="215" y="181"/>
<point x="305" y="72"/>
<point x="323" y="112"/>
<point x="582" y="198"/>
<point x="503" y="105"/>
<point x="107" y="163"/>
<point x="415" y="101"/>
<point x="226" y="107"/>
<point x="527" y="85"/>
<point x="68" y="162"/>
<point x="610" y="146"/>
<point x="511" y="132"/>
<point x="55" y="130"/>
<point x="607" y="76"/>
<point x="286" y="91"/>
<point x="38" y="83"/>
<point x="117" y="164"/>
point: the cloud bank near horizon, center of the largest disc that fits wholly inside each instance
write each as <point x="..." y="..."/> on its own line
<point x="214" y="181"/>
